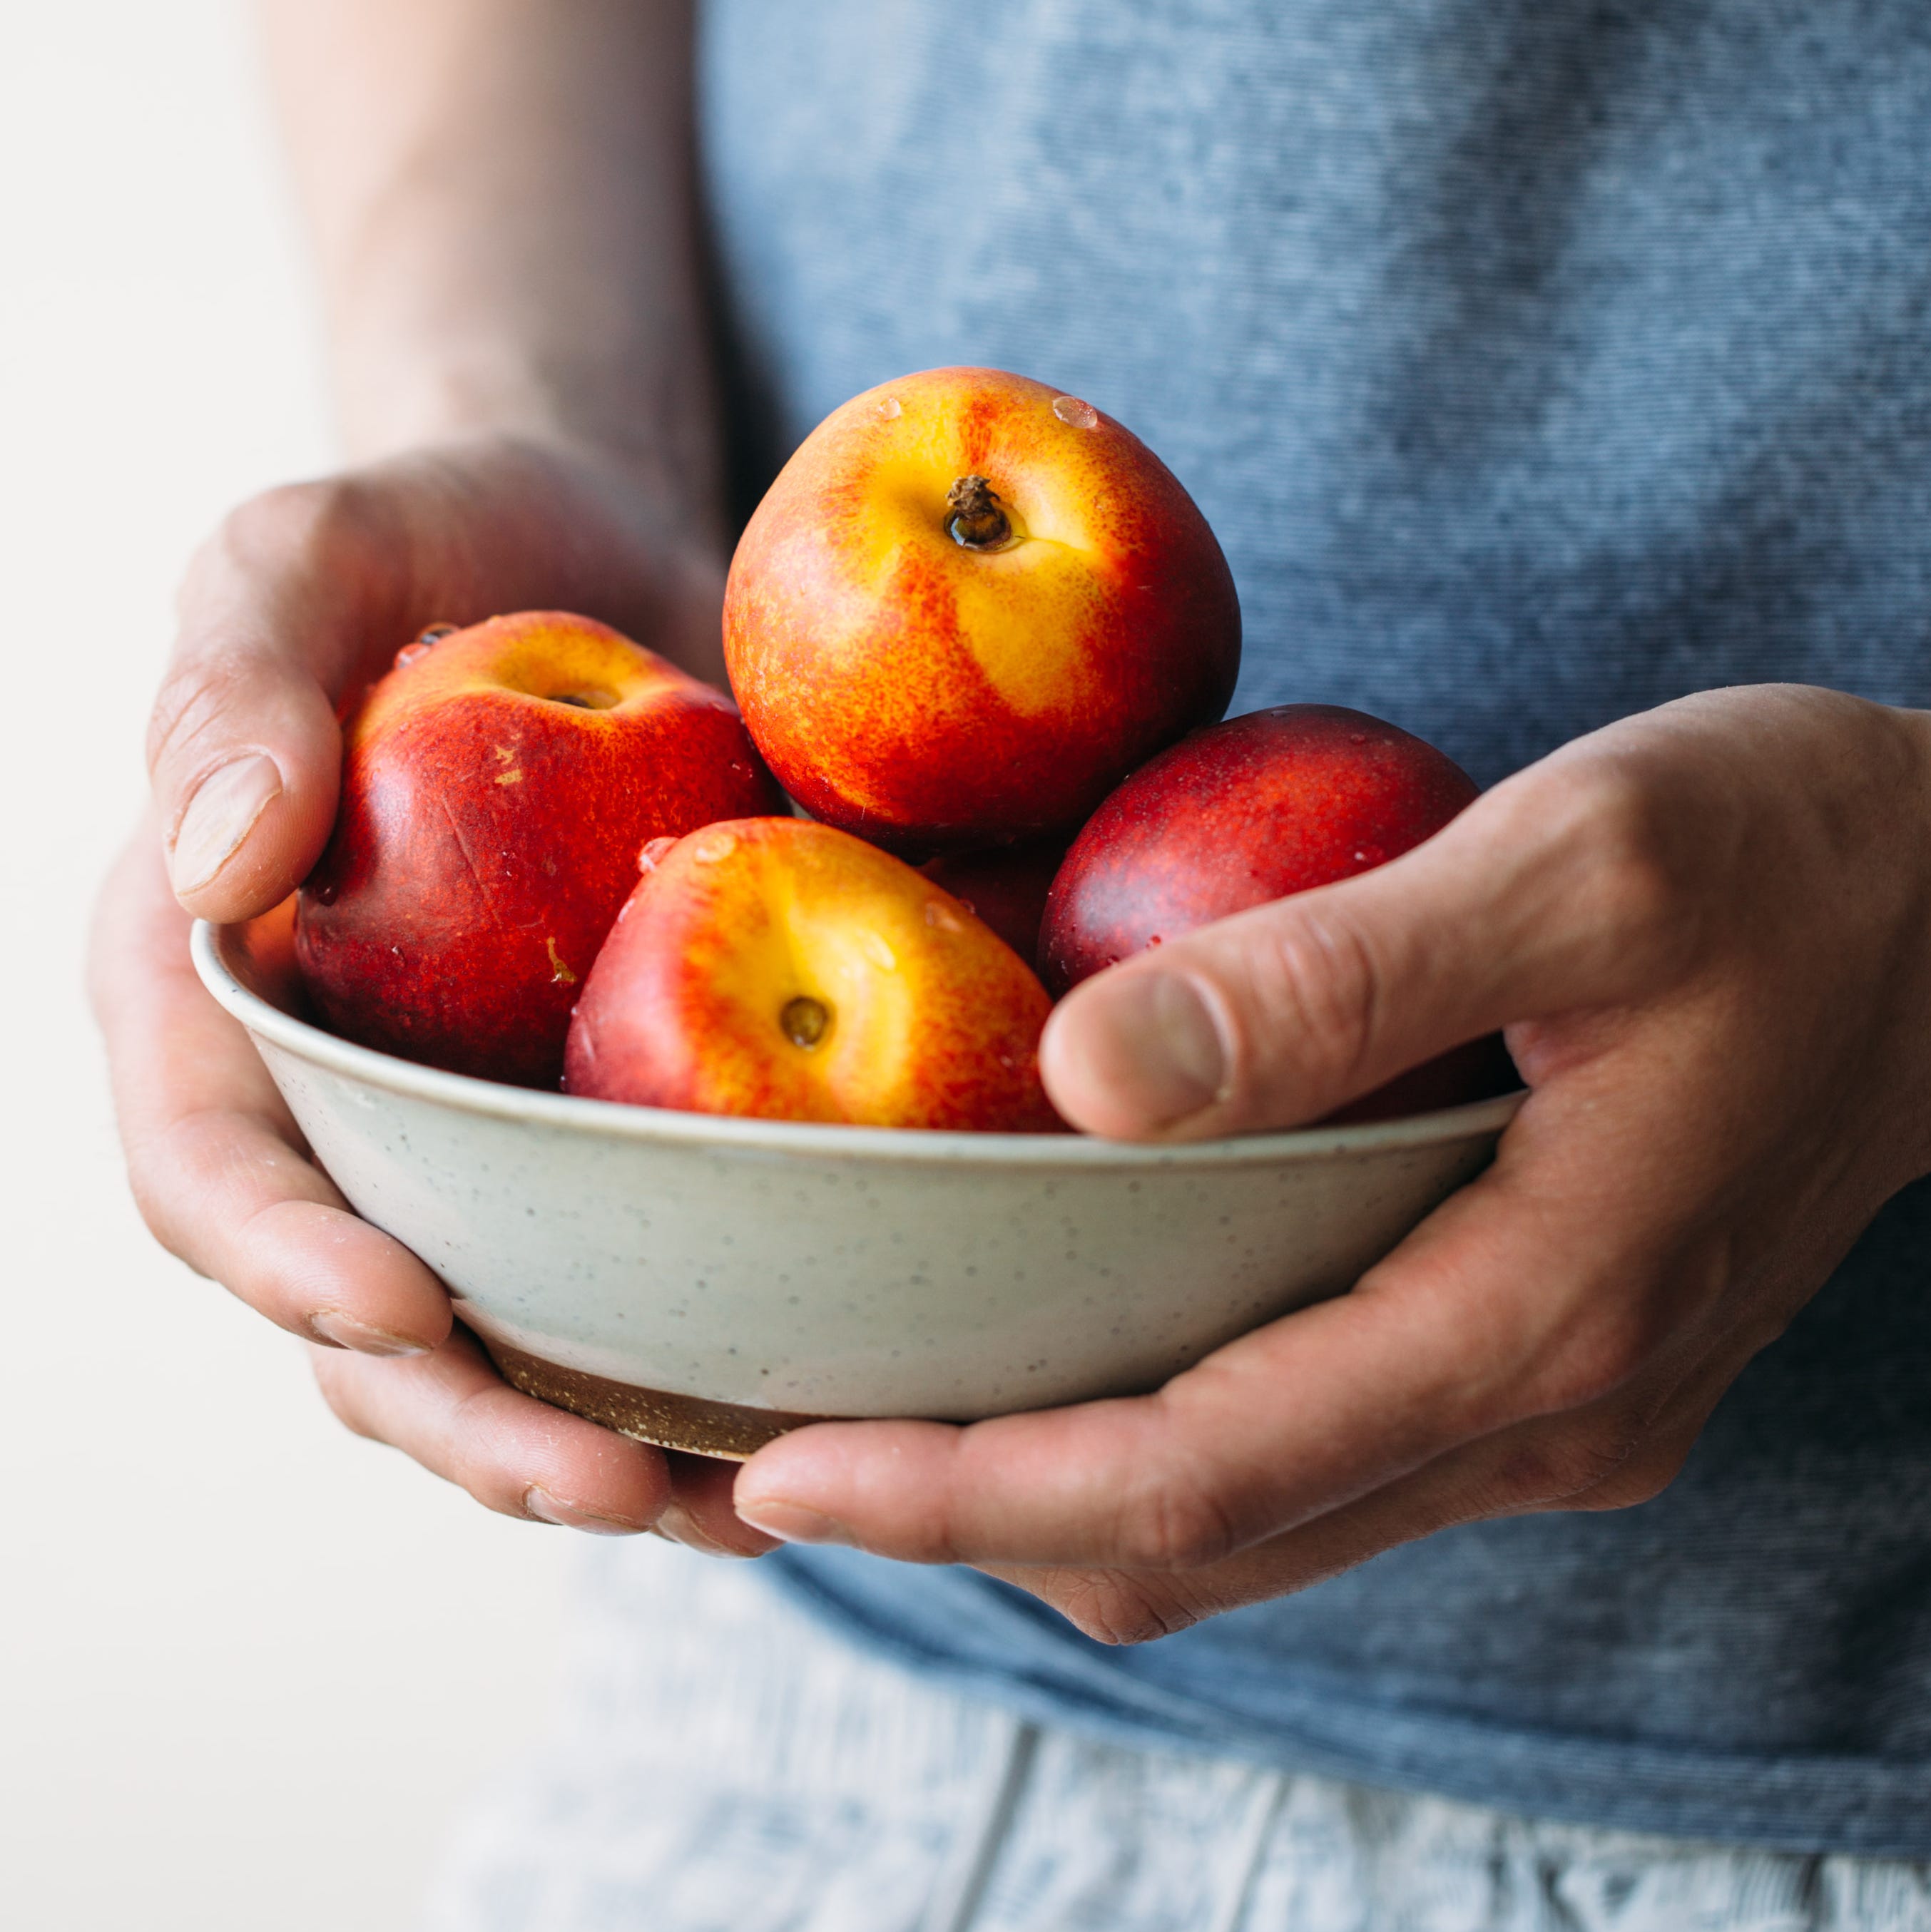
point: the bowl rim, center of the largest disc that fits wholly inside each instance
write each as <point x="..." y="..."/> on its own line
<point x="209" y="946"/>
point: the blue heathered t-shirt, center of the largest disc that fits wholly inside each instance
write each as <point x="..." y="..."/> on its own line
<point x="1536" y="362"/>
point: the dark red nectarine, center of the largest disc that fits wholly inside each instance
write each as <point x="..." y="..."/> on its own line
<point x="496" y="785"/>
<point x="1273" y="803"/>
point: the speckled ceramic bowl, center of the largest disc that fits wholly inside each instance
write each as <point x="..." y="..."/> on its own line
<point x="706" y="1283"/>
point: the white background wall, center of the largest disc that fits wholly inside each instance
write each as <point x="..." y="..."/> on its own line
<point x="249" y="1666"/>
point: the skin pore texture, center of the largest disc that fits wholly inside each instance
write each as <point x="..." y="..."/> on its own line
<point x="1706" y="930"/>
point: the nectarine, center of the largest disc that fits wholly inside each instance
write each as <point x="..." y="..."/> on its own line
<point x="777" y="968"/>
<point x="496" y="786"/>
<point x="968" y="608"/>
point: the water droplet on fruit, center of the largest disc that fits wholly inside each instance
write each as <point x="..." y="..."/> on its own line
<point x="714" y="847"/>
<point x="325" y="895"/>
<point x="1357" y="737"/>
<point x="940" y="916"/>
<point x="1070" y="409"/>
<point x="1153" y="939"/>
<point x="652" y="856"/>
<point x="425" y="641"/>
<point x="888" y="407"/>
<point x="805" y="1022"/>
<point x="880" y="954"/>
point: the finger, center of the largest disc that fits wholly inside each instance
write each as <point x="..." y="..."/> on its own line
<point x="452" y="1413"/>
<point x="1547" y="1284"/>
<point x="244" y="750"/>
<point x="1615" y="1456"/>
<point x="1557" y="891"/>
<point x="216" y="1161"/>
<point x="700" y="1514"/>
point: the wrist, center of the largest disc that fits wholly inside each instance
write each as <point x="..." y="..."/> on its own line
<point x="473" y="392"/>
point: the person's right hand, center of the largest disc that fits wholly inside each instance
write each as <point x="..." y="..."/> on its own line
<point x="302" y="598"/>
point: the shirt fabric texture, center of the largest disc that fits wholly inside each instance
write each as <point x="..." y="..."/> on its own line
<point x="716" y="1763"/>
<point x="1536" y="362"/>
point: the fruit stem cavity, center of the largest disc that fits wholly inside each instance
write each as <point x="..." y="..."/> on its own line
<point x="805" y="1022"/>
<point x="978" y="521"/>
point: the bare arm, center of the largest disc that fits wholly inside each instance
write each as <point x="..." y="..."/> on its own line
<point x="501" y="199"/>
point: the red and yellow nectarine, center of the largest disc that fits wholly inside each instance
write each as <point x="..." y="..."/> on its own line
<point x="777" y="968"/>
<point x="968" y="608"/>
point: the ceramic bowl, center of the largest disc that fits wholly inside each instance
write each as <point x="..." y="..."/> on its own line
<point x="705" y="1282"/>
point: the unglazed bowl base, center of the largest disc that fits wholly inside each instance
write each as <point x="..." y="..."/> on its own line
<point x="728" y="1429"/>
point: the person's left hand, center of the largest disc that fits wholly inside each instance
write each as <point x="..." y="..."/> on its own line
<point x="1707" y="932"/>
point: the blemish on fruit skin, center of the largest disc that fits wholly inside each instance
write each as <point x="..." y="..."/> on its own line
<point x="560" y="975"/>
<point x="1071" y="409"/>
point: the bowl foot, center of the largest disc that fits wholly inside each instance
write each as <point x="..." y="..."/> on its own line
<point x="729" y="1430"/>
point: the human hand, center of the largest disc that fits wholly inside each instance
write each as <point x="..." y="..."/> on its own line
<point x="1707" y="931"/>
<point x="301" y="597"/>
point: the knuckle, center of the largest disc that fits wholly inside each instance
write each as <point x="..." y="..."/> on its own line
<point x="1177" y="1523"/>
<point x="196" y="700"/>
<point x="1591" y="1363"/>
<point x="1627" y="839"/>
<point x="1321" y="984"/>
<point x="326" y="535"/>
<point x="1119" y="1610"/>
<point x="1556" y="1466"/>
<point x="1641" y="1480"/>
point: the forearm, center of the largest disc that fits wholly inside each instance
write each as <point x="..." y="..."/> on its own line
<point x="501" y="196"/>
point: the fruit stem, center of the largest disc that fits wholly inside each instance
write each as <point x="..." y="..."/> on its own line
<point x="976" y="520"/>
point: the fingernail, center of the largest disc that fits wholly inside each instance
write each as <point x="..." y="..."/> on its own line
<point x="544" y="1508"/>
<point x="326" y="1325"/>
<point x="675" y="1524"/>
<point x="1163" y="1053"/>
<point x="220" y="816"/>
<point x="792" y="1522"/>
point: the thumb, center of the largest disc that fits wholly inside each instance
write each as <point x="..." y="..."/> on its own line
<point x="247" y="789"/>
<point x="1543" y="896"/>
<point x="244" y="749"/>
